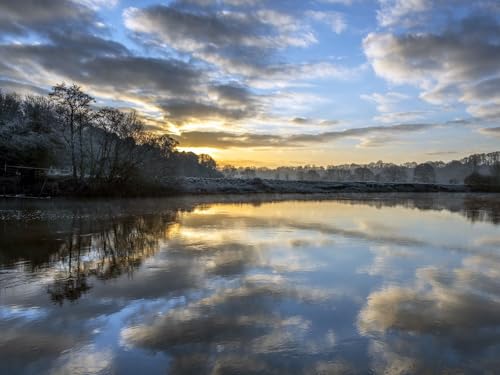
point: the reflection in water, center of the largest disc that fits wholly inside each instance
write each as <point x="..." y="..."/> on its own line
<point x="116" y="247"/>
<point x="388" y="284"/>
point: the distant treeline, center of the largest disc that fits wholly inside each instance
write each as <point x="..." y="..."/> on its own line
<point x="91" y="146"/>
<point x="477" y="169"/>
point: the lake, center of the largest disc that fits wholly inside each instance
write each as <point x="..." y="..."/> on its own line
<point x="381" y="283"/>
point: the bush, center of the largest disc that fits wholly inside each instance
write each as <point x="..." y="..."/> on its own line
<point x="479" y="182"/>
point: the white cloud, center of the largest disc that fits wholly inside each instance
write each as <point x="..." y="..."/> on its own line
<point x="460" y="64"/>
<point x="393" y="12"/>
<point x="335" y="20"/>
<point x="385" y="102"/>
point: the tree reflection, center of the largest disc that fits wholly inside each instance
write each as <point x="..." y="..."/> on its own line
<point x="111" y="247"/>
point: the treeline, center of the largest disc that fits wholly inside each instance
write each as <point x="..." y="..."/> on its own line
<point x="472" y="170"/>
<point x="93" y="146"/>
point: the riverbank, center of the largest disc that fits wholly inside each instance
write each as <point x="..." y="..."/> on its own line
<point x="212" y="186"/>
<point x="191" y="185"/>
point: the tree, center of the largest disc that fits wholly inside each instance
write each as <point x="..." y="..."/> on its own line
<point x="337" y="174"/>
<point x="424" y="173"/>
<point x="113" y="150"/>
<point x="312" y="175"/>
<point x="208" y="166"/>
<point x="73" y="108"/>
<point x="392" y="173"/>
<point x="363" y="174"/>
<point x="495" y="172"/>
<point x="158" y="154"/>
<point x="26" y="135"/>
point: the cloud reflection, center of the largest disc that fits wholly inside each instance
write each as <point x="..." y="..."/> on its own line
<point x="456" y="312"/>
<point x="307" y="287"/>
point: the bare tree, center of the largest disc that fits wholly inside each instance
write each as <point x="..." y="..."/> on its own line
<point x="73" y="108"/>
<point x="115" y="153"/>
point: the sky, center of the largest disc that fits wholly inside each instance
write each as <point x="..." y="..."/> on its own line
<point x="274" y="82"/>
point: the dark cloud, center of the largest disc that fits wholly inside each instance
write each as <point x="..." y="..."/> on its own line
<point x="194" y="29"/>
<point x="232" y="94"/>
<point x="228" y="140"/>
<point x="301" y="120"/>
<point x="148" y="75"/>
<point x="22" y="16"/>
<point x="224" y="102"/>
<point x="311" y="121"/>
<point x="180" y="111"/>
<point x="221" y="139"/>
<point x="20" y="88"/>
<point x="101" y="63"/>
<point x="484" y="90"/>
<point x="240" y="43"/>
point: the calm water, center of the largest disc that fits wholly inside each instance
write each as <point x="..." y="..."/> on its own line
<point x="380" y="284"/>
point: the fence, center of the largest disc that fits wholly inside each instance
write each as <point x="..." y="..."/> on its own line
<point x="23" y="180"/>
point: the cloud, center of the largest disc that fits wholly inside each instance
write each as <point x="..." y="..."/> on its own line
<point x="22" y="16"/>
<point x="223" y="140"/>
<point x="209" y="57"/>
<point x="393" y="12"/>
<point x="312" y="121"/>
<point x="232" y="94"/>
<point x="414" y="13"/>
<point x="344" y="2"/>
<point x="495" y="132"/>
<point x="392" y="117"/>
<point x="20" y="88"/>
<point x="435" y="153"/>
<point x="109" y="70"/>
<point x="335" y="20"/>
<point x="385" y="102"/>
<point x="179" y="111"/>
<point x="220" y="38"/>
<point x="103" y="65"/>
<point x="388" y="104"/>
<point x="454" y="62"/>
<point x="377" y="141"/>
<point x="301" y="120"/>
<point x="244" y="44"/>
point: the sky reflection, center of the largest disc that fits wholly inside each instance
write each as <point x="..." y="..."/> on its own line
<point x="389" y="285"/>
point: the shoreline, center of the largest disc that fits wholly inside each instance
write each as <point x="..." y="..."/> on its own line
<point x="199" y="186"/>
<point x="209" y="186"/>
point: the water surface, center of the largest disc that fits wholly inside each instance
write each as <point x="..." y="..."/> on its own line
<point x="389" y="284"/>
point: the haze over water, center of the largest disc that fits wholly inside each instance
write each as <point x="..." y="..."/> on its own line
<point x="380" y="283"/>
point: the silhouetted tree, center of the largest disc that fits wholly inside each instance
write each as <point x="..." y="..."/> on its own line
<point x="113" y="153"/>
<point x="73" y="108"/>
